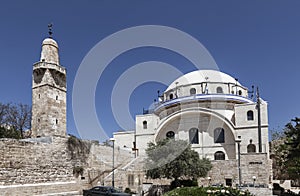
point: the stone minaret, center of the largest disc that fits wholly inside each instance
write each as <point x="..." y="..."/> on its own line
<point x="48" y="93"/>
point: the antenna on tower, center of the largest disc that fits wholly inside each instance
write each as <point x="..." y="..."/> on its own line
<point x="50" y="30"/>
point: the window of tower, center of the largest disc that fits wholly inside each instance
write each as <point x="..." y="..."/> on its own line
<point x="171" y="96"/>
<point x="144" y="124"/>
<point x="56" y="121"/>
<point x="56" y="97"/>
<point x="250" y="115"/>
<point x="38" y="120"/>
<point x="39" y="96"/>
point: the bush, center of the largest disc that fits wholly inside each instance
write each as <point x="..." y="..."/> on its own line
<point x="200" y="191"/>
<point x="183" y="183"/>
<point x="78" y="170"/>
<point x="190" y="191"/>
<point x="9" y="133"/>
<point x="127" y="190"/>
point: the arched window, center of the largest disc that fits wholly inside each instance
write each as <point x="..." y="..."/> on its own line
<point x="144" y="124"/>
<point x="219" y="155"/>
<point x="192" y="91"/>
<point x="171" y="96"/>
<point x="219" y="135"/>
<point x="251" y="148"/>
<point x="250" y="115"/>
<point x="240" y="92"/>
<point x="219" y="90"/>
<point x="194" y="136"/>
<point x="170" y="135"/>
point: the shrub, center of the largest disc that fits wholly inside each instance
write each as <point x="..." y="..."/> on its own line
<point x="127" y="190"/>
<point x="78" y="170"/>
<point x="183" y="183"/>
<point x="200" y="191"/>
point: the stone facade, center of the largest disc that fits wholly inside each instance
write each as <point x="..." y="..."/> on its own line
<point x="252" y="165"/>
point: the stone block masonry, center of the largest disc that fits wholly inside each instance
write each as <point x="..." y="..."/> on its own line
<point x="24" y="162"/>
<point x="45" y="165"/>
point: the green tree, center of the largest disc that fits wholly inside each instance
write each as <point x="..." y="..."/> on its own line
<point x="286" y="152"/>
<point x="278" y="155"/>
<point x="292" y="142"/>
<point x="9" y="133"/>
<point x="174" y="160"/>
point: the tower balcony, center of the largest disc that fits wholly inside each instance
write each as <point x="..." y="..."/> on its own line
<point x="46" y="65"/>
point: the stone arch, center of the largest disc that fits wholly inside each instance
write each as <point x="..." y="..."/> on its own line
<point x="176" y="123"/>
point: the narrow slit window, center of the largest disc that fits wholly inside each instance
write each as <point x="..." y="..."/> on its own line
<point x="194" y="136"/>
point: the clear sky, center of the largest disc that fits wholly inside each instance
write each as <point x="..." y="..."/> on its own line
<point x="256" y="41"/>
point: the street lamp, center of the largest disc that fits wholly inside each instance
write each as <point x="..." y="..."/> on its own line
<point x="238" y="141"/>
<point x="113" y="162"/>
<point x="254" y="178"/>
<point x="209" y="180"/>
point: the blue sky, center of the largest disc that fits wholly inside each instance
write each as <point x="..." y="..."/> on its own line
<point x="256" y="41"/>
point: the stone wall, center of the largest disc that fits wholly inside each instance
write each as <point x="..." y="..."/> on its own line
<point x="256" y="164"/>
<point x="24" y="162"/>
<point x="45" y="165"/>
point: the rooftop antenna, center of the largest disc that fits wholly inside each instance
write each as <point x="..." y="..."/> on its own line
<point x="251" y="92"/>
<point x="236" y="81"/>
<point x="258" y="120"/>
<point x="50" y="30"/>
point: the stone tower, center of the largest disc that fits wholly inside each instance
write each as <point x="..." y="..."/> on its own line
<point x="48" y="93"/>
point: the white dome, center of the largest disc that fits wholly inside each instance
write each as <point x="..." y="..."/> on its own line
<point x="50" y="41"/>
<point x="202" y="76"/>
